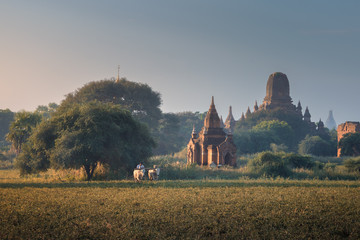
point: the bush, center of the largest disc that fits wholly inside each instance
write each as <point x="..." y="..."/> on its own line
<point x="3" y="157"/>
<point x="353" y="164"/>
<point x="317" y="146"/>
<point x="269" y="164"/>
<point x="299" y="161"/>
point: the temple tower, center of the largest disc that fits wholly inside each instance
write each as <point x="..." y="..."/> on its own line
<point x="278" y="93"/>
<point x="212" y="146"/>
<point x="230" y="121"/>
<point x="330" y="122"/>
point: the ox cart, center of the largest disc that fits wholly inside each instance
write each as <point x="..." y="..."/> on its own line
<point x="153" y="173"/>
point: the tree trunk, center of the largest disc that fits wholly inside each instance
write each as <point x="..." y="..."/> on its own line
<point x="89" y="169"/>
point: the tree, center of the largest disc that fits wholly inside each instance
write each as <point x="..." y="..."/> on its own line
<point x="167" y="134"/>
<point x="280" y="130"/>
<point x="353" y="164"/>
<point x="142" y="102"/>
<point x="262" y="136"/>
<point x="350" y="144"/>
<point x="317" y="146"/>
<point x="21" y="128"/>
<point x="175" y="129"/>
<point x="86" y="135"/>
<point x="269" y="164"/>
<point x="46" y="111"/>
<point x="254" y="141"/>
<point x="6" y="117"/>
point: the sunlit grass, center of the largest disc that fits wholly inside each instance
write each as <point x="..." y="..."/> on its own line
<point x="193" y="209"/>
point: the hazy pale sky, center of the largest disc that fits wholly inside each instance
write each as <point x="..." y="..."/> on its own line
<point x="187" y="50"/>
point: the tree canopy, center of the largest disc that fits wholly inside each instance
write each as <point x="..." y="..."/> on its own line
<point x="315" y="145"/>
<point x="21" y="128"/>
<point x="260" y="137"/>
<point x="350" y="144"/>
<point x="85" y="135"/>
<point x="294" y="120"/>
<point x="142" y="102"/>
<point x="6" y="117"/>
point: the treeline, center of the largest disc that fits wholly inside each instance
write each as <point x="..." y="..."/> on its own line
<point x="278" y="130"/>
<point x="100" y="122"/>
<point x="111" y="123"/>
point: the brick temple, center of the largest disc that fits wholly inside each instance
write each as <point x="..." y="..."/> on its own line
<point x="212" y="145"/>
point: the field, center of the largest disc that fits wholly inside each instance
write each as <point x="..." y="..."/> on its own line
<point x="36" y="208"/>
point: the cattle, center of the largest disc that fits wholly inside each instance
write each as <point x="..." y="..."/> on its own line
<point x="139" y="174"/>
<point x="154" y="173"/>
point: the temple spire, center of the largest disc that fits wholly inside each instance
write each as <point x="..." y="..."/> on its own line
<point x="212" y="105"/>
<point x="307" y="115"/>
<point x="212" y="119"/>
<point x="256" y="107"/>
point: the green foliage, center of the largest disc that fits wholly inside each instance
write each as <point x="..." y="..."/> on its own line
<point x="3" y="157"/>
<point x="280" y="129"/>
<point x="175" y="130"/>
<point x="167" y="134"/>
<point x="317" y="146"/>
<point x="294" y="120"/>
<point x="262" y="136"/>
<point x="86" y="135"/>
<point x="21" y="128"/>
<point x="142" y="102"/>
<point x="299" y="161"/>
<point x="47" y="111"/>
<point x="248" y="142"/>
<point x="278" y="147"/>
<point x="269" y="164"/>
<point x="6" y="117"/>
<point x="350" y="144"/>
<point x="353" y="164"/>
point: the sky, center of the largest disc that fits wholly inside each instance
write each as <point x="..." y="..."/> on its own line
<point x="186" y="50"/>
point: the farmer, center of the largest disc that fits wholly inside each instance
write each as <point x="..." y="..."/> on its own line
<point x="140" y="166"/>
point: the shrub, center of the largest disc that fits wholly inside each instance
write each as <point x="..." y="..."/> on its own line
<point x="269" y="164"/>
<point x="315" y="145"/>
<point x="299" y="161"/>
<point x="353" y="164"/>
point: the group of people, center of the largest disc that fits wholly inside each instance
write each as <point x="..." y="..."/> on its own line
<point x="153" y="173"/>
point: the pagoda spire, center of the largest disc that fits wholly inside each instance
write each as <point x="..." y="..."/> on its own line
<point x="307" y="115"/>
<point x="242" y="116"/>
<point x="256" y="107"/>
<point x="212" y="105"/>
<point x="248" y="112"/>
<point x="212" y="119"/>
<point x="222" y="125"/>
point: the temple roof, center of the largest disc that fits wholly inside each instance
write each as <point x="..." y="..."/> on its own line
<point x="230" y="118"/>
<point x="212" y="119"/>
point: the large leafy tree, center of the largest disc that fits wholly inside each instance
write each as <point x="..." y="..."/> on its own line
<point x="138" y="98"/>
<point x="174" y="130"/>
<point x="300" y="128"/>
<point x="21" y="128"/>
<point x="350" y="144"/>
<point x="315" y="145"/>
<point x="86" y="135"/>
<point x="260" y="137"/>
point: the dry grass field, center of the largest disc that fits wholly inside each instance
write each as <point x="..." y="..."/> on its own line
<point x="192" y="209"/>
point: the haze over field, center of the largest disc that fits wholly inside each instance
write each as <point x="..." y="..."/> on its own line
<point x="186" y="50"/>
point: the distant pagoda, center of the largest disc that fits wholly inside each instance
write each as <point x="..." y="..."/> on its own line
<point x="330" y="122"/>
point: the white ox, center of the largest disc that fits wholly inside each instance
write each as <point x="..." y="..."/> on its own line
<point x="154" y="173"/>
<point x="139" y="174"/>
